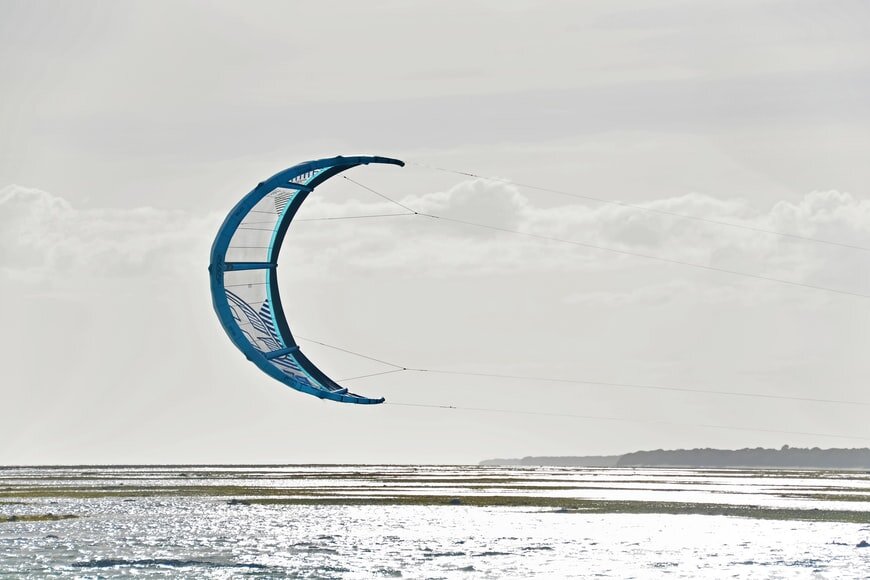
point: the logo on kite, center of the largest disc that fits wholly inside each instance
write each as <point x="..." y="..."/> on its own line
<point x="244" y="285"/>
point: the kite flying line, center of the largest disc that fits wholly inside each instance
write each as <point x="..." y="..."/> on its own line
<point x="629" y="420"/>
<point x="639" y="207"/>
<point x="400" y="369"/>
<point x="246" y="299"/>
<point x="404" y="369"/>
<point x="615" y="250"/>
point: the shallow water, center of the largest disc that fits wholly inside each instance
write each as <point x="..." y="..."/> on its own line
<point x="183" y="522"/>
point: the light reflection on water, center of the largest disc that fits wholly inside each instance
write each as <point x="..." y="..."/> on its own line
<point x="205" y="537"/>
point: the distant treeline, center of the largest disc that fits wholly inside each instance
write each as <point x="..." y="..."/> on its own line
<point x="788" y="457"/>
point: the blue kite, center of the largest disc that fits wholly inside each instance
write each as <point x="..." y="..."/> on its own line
<point x="244" y="284"/>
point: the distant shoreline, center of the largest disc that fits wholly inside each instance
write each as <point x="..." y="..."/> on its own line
<point x="785" y="457"/>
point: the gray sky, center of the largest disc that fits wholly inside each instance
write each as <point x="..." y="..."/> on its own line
<point x="130" y="129"/>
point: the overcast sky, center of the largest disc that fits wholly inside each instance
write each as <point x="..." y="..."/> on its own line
<point x="129" y="129"/>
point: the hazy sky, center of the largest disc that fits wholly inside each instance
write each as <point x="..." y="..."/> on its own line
<point x="129" y="129"/>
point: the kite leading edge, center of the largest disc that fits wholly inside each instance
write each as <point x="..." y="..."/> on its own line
<point x="244" y="285"/>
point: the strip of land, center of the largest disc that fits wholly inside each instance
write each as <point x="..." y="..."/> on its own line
<point x="785" y="457"/>
<point x="26" y="493"/>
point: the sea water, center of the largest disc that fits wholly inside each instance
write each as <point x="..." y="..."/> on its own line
<point x="199" y="522"/>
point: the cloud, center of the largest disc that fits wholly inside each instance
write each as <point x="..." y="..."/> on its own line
<point x="126" y="293"/>
<point x="438" y="248"/>
<point x="43" y="237"/>
<point x="684" y="292"/>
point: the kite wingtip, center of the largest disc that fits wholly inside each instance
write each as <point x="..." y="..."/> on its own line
<point x="388" y="160"/>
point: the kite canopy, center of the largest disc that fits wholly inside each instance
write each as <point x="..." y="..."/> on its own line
<point x="244" y="285"/>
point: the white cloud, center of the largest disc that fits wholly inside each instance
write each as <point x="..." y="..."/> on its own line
<point x="439" y="248"/>
<point x="43" y="237"/>
<point x="126" y="290"/>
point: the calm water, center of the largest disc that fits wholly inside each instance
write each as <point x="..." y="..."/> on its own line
<point x="199" y="528"/>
